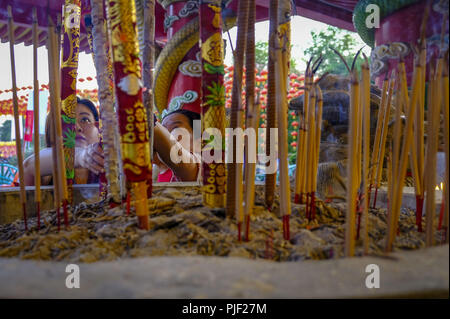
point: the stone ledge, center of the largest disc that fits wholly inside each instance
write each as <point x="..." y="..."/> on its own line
<point x="420" y="274"/>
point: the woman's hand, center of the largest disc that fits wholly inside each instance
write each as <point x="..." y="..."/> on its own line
<point x="90" y="157"/>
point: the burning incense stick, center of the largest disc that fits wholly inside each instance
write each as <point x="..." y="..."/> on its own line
<point x="37" y="170"/>
<point x="23" y="196"/>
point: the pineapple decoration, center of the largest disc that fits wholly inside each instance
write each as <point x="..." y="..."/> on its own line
<point x="213" y="102"/>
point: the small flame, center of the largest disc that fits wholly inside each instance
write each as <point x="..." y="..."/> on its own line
<point x="440" y="186"/>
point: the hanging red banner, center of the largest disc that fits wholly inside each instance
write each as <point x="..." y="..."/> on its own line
<point x="28" y="130"/>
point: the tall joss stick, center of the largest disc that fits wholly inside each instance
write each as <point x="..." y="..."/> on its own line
<point x="384" y="131"/>
<point x="105" y="95"/>
<point x="23" y="197"/>
<point x="37" y="175"/>
<point x="234" y="178"/>
<point x="399" y="178"/>
<point x="310" y="150"/>
<point x="148" y="57"/>
<point x="121" y="16"/>
<point x="351" y="170"/>
<point x="433" y="116"/>
<point x="317" y="150"/>
<point x="445" y="111"/>
<point x="299" y="172"/>
<point x="270" y="178"/>
<point x="145" y="20"/>
<point x="213" y="103"/>
<point x="69" y="68"/>
<point x="365" y="99"/>
<point x="393" y="159"/>
<point x="56" y="172"/>
<point x="252" y="117"/>
<point x="376" y="143"/>
<point x="282" y="61"/>
<point x="60" y="184"/>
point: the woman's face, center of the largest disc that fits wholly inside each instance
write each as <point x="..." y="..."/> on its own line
<point x="174" y="123"/>
<point x="87" y="131"/>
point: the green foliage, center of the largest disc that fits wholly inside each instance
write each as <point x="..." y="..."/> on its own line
<point x="5" y="131"/>
<point x="343" y="41"/>
<point x="67" y="119"/>
<point x="262" y="57"/>
<point x="69" y="139"/>
<point x="217" y="96"/>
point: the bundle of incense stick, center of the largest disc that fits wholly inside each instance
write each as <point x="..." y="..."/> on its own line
<point x="417" y="147"/>
<point x="37" y="170"/>
<point x="309" y="135"/>
<point x="234" y="174"/>
<point x="378" y="164"/>
<point x="352" y="174"/>
<point x="365" y="102"/>
<point x="310" y="150"/>
<point x="318" y="135"/>
<point x="252" y="119"/>
<point x="299" y="172"/>
<point x="433" y="119"/>
<point x="59" y="175"/>
<point x="302" y="138"/>
<point x="23" y="198"/>
<point x="376" y="144"/>
<point x="401" y="153"/>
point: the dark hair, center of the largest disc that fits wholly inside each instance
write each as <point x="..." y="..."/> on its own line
<point x="89" y="105"/>
<point x="49" y="120"/>
<point x="189" y="114"/>
<point x="48" y="130"/>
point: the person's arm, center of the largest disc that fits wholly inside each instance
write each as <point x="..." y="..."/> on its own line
<point x="187" y="169"/>
<point x="90" y="157"/>
<point x="46" y="164"/>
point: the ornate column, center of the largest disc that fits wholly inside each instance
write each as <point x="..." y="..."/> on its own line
<point x="69" y="71"/>
<point x="132" y="115"/>
<point x="178" y="69"/>
<point x="213" y="99"/>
